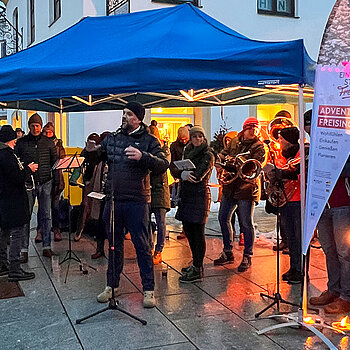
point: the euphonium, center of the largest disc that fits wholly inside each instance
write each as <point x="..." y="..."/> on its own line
<point x="233" y="167"/>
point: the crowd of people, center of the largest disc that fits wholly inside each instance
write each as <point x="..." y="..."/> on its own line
<point x="130" y="167"/>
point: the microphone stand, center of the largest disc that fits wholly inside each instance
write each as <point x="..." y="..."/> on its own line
<point x="113" y="303"/>
<point x="277" y="298"/>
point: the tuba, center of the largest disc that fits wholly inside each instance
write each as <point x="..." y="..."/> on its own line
<point x="233" y="167"/>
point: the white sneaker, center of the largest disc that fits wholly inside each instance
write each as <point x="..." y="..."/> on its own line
<point x="107" y="294"/>
<point x="148" y="299"/>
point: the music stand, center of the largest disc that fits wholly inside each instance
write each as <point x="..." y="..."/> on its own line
<point x="67" y="165"/>
<point x="277" y="298"/>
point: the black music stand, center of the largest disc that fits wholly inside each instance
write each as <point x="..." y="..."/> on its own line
<point x="277" y="298"/>
<point x="67" y="165"/>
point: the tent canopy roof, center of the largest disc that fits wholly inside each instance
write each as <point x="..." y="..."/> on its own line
<point x="101" y="62"/>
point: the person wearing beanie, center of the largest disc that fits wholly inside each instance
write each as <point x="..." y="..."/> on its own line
<point x="132" y="153"/>
<point x="194" y="204"/>
<point x="14" y="208"/>
<point x="240" y="194"/>
<point x="176" y="151"/>
<point x="290" y="212"/>
<point x="36" y="147"/>
<point x="57" y="185"/>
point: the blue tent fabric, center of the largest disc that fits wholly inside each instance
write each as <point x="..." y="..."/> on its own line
<point x="151" y="51"/>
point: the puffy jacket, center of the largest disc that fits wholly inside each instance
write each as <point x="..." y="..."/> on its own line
<point x="38" y="149"/>
<point x="240" y="189"/>
<point x="130" y="179"/>
<point x="195" y="198"/>
<point x="14" y="207"/>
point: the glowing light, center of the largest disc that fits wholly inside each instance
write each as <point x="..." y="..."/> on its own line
<point x="309" y="320"/>
<point x="308" y="343"/>
<point x="159" y="110"/>
<point x="330" y="69"/>
<point x="344" y="324"/>
<point x="344" y="343"/>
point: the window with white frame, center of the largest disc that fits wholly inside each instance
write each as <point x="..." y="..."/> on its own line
<point x="54" y="11"/>
<point x="276" y="7"/>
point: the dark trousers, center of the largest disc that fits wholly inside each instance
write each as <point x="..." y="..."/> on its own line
<point x="196" y="239"/>
<point x="135" y="217"/>
<point x="16" y="237"/>
<point x="290" y="218"/>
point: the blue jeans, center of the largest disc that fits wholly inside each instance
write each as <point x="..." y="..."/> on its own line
<point x="245" y="211"/>
<point x="43" y="194"/>
<point x="16" y="236"/>
<point x="135" y="217"/>
<point x="333" y="228"/>
<point x="291" y="225"/>
<point x="160" y="214"/>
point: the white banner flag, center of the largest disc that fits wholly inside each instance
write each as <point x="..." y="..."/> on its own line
<point x="330" y="140"/>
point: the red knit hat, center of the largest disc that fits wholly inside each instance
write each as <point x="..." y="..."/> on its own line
<point x="251" y="122"/>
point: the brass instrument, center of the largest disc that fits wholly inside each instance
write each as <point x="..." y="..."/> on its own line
<point x="278" y="124"/>
<point x="279" y="192"/>
<point x="233" y="167"/>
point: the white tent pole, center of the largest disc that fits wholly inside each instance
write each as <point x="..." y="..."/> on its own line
<point x="302" y="191"/>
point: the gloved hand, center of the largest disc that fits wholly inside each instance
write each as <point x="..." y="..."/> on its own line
<point x="188" y="176"/>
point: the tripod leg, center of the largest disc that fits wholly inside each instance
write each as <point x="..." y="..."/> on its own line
<point x="266" y="308"/>
<point x="130" y="315"/>
<point x="80" y="320"/>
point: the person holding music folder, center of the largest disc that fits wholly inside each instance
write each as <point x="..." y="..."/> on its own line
<point x="289" y="174"/>
<point x="131" y="154"/>
<point x="241" y="194"/>
<point x="14" y="207"/>
<point x="194" y="202"/>
<point x="36" y="147"/>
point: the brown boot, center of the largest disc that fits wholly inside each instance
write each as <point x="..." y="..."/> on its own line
<point x="325" y="298"/>
<point x="38" y="238"/>
<point x="339" y="306"/>
<point x="97" y="255"/>
<point x="57" y="235"/>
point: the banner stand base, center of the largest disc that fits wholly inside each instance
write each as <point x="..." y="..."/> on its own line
<point x="293" y="321"/>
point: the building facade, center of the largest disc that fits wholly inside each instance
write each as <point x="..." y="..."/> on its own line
<point x="271" y="20"/>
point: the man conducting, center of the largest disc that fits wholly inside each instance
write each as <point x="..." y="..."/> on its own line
<point x="131" y="154"/>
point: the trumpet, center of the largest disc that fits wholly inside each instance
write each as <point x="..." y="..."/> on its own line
<point x="231" y="168"/>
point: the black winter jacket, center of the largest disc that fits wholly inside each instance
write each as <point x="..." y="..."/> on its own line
<point x="131" y="178"/>
<point x="41" y="150"/>
<point x="195" y="198"/>
<point x="14" y="208"/>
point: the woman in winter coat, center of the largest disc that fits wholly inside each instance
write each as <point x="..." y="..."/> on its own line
<point x="160" y="200"/>
<point x="195" y="199"/>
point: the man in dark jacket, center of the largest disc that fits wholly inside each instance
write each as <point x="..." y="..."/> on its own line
<point x="242" y="194"/>
<point x="37" y="148"/>
<point x="14" y="209"/>
<point x="131" y="154"/>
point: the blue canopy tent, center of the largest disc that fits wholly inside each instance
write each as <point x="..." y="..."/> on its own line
<point x="169" y="57"/>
